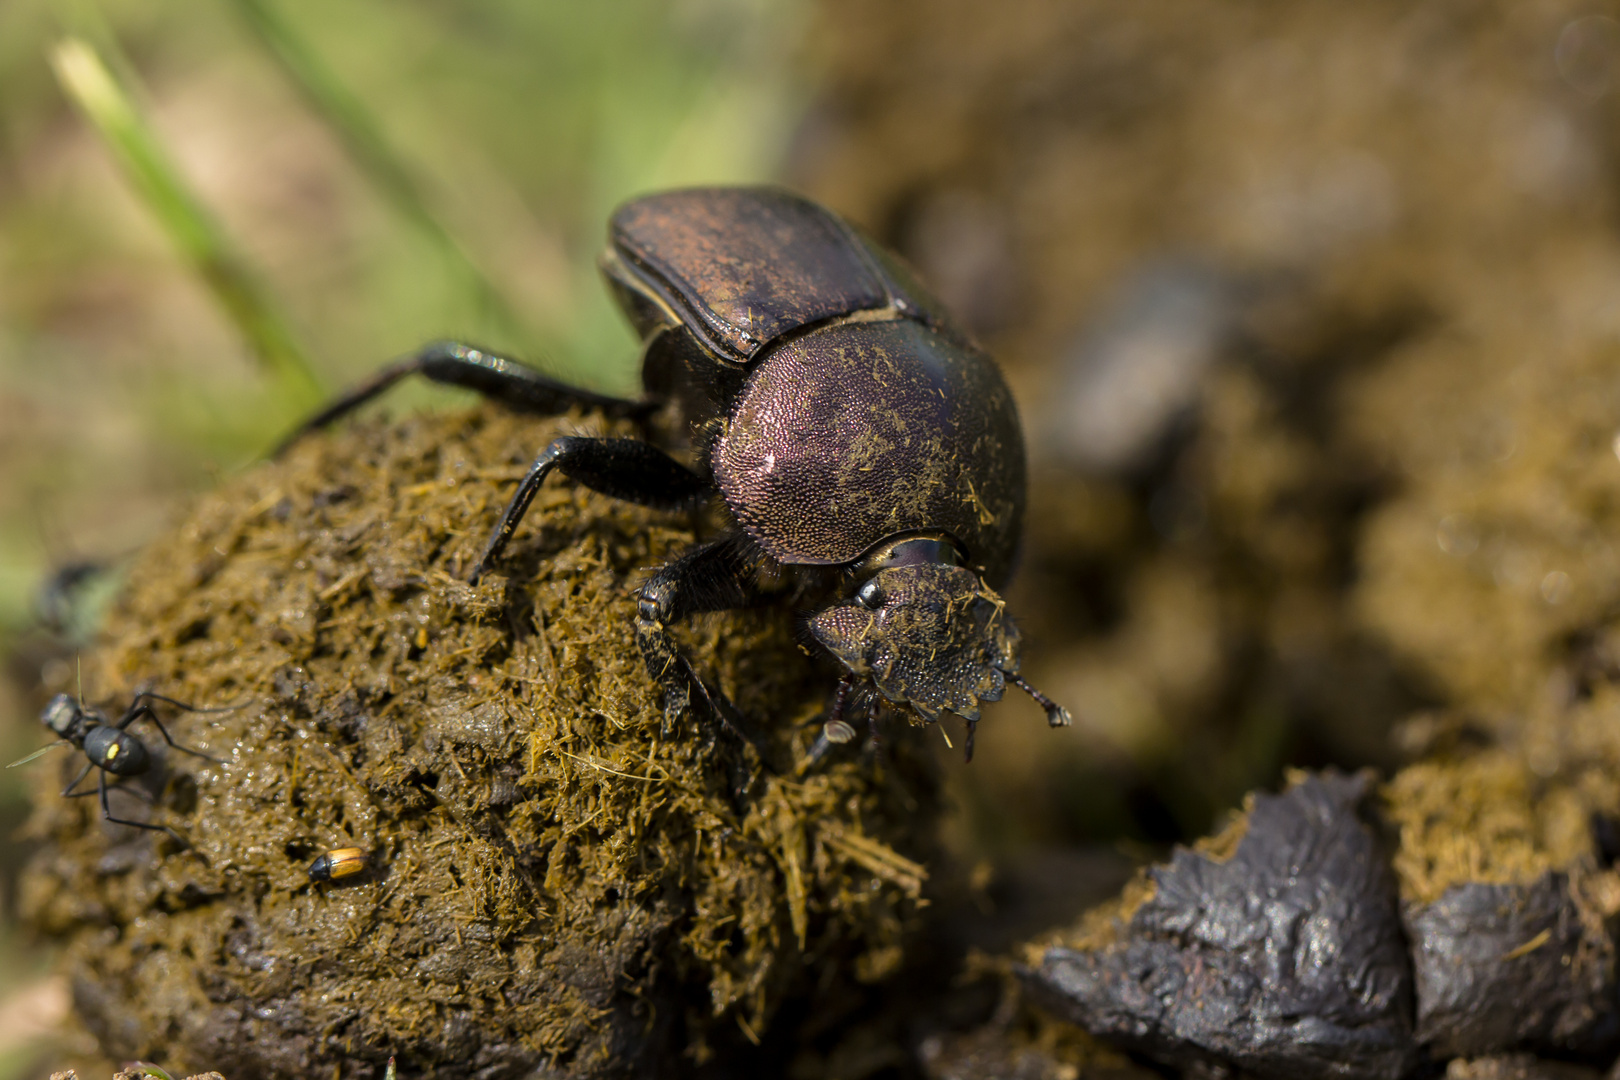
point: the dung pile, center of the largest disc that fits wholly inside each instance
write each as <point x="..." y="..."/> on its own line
<point x="1510" y="906"/>
<point x="1299" y="943"/>
<point x="564" y="878"/>
<point x="1275" y="947"/>
<point x="1495" y="573"/>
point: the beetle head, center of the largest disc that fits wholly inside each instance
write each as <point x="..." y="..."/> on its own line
<point x="926" y="630"/>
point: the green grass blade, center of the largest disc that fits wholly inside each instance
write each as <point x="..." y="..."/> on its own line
<point x="151" y="171"/>
<point x="376" y="157"/>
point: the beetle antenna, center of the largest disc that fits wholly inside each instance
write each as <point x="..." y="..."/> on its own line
<point x="41" y="752"/>
<point x="1056" y="715"/>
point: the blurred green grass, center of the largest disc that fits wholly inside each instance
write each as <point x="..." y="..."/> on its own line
<point x="387" y="172"/>
<point x="519" y="124"/>
<point x="108" y="104"/>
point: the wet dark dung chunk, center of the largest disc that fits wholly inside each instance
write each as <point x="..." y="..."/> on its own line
<point x="1508" y="907"/>
<point x="1284" y="959"/>
<point x="1500" y="966"/>
<point x="559" y="879"/>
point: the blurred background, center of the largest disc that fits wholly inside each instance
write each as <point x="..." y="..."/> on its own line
<point x="1313" y="313"/>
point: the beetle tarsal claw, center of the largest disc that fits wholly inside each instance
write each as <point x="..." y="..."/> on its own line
<point x="939" y="641"/>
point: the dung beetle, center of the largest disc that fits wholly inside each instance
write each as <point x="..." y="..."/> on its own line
<point x="869" y="455"/>
<point x="110" y="747"/>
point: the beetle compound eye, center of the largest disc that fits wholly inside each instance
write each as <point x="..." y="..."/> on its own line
<point x="871" y="596"/>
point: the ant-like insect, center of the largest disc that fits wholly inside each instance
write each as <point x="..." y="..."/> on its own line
<point x="110" y="747"/>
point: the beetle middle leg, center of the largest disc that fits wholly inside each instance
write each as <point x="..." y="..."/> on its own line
<point x="626" y="469"/>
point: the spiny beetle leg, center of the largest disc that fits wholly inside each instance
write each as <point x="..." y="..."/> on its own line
<point x="451" y="363"/>
<point x="707" y="578"/>
<point x="626" y="469"/>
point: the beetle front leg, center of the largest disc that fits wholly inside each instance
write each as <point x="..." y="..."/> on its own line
<point x="710" y="577"/>
<point x="665" y="663"/>
<point x="836" y="731"/>
<point x="670" y="667"/>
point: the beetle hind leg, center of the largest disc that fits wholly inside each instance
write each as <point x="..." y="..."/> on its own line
<point x="451" y="363"/>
